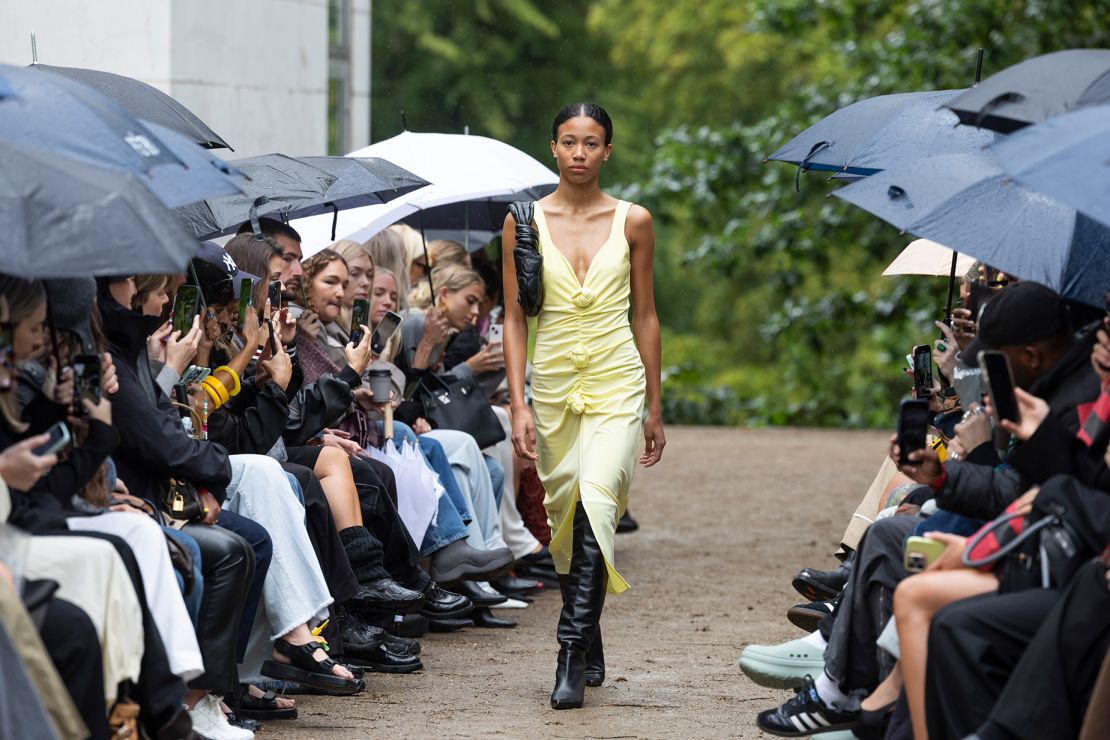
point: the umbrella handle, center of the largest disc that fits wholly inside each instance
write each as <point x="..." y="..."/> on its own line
<point x="951" y="289"/>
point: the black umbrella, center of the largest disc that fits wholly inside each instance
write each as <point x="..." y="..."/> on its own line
<point x="277" y="184"/>
<point x="143" y="101"/>
<point x="1035" y="90"/>
<point x="473" y="220"/>
<point x="65" y="217"/>
<point x="360" y="181"/>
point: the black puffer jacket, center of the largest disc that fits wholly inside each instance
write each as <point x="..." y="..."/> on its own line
<point x="983" y="492"/>
<point x="153" y="444"/>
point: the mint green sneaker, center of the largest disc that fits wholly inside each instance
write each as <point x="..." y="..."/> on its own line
<point x="782" y="666"/>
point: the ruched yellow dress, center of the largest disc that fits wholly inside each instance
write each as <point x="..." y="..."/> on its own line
<point x="587" y="392"/>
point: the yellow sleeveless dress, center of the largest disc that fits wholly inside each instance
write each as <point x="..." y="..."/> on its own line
<point x="587" y="392"/>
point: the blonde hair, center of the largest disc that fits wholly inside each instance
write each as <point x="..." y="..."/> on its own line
<point x="452" y="276"/>
<point x="350" y="251"/>
<point x="445" y="251"/>
<point x="413" y="242"/>
<point x="387" y="249"/>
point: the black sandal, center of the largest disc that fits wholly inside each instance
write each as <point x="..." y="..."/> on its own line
<point x="262" y="708"/>
<point x="309" y="672"/>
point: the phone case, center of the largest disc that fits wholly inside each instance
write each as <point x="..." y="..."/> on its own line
<point x="923" y="547"/>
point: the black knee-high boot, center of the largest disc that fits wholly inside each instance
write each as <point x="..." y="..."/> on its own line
<point x="578" y="621"/>
<point x="595" y="656"/>
<point x="595" y="662"/>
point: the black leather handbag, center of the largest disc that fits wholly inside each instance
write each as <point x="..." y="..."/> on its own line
<point x="459" y="403"/>
<point x="527" y="258"/>
<point x="182" y="501"/>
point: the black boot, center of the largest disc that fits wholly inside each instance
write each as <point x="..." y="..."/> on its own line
<point x="584" y="599"/>
<point x="595" y="662"/>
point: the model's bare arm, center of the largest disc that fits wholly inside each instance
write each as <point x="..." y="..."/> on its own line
<point x="645" y="327"/>
<point x="516" y="349"/>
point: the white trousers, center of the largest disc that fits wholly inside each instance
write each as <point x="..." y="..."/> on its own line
<point x="92" y="577"/>
<point x="163" y="598"/>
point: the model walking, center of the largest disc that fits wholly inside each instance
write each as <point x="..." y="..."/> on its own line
<point x="592" y="369"/>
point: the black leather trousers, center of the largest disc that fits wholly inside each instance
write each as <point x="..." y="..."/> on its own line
<point x="228" y="566"/>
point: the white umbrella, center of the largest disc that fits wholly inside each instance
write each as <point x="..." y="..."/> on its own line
<point x="460" y="168"/>
<point x="926" y="257"/>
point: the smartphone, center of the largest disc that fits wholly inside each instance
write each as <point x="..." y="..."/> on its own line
<point x="999" y="382"/>
<point x="384" y="331"/>
<point x="913" y="425"/>
<point x="59" y="440"/>
<point x="185" y="308"/>
<point x="274" y="294"/>
<point x="922" y="371"/>
<point x="496" y="334"/>
<point x="86" y="373"/>
<point x="245" y="300"/>
<point x="920" y="553"/>
<point x="194" y="374"/>
<point x="360" y="316"/>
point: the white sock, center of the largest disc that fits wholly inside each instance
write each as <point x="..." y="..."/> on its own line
<point x="828" y="691"/>
<point x="816" y="640"/>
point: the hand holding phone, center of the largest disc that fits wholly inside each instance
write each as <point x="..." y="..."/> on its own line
<point x="185" y="308"/>
<point x="922" y="371"/>
<point x="58" y="440"/>
<point x="87" y="370"/>
<point x="920" y="553"/>
<point x="360" y="317"/>
<point x="383" y="332"/>
<point x="913" y="426"/>
<point x="999" y="381"/>
<point x="245" y="300"/>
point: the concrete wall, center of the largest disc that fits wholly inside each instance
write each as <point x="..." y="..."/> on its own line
<point x="256" y="71"/>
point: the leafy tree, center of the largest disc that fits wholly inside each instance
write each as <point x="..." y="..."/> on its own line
<point x="770" y="297"/>
<point x="503" y="68"/>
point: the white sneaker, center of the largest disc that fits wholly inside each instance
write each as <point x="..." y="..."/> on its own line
<point x="209" y="720"/>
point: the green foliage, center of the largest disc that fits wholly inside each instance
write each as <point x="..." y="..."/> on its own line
<point x="772" y="303"/>
<point x="503" y="68"/>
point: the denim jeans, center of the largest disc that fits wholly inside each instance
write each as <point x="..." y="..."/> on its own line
<point x="295" y="591"/>
<point x="193" y="598"/>
<point x="469" y="466"/>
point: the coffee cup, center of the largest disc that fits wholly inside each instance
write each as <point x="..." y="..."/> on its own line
<point x="380" y="381"/>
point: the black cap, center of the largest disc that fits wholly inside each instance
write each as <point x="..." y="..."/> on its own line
<point x="71" y="302"/>
<point x="1022" y="313"/>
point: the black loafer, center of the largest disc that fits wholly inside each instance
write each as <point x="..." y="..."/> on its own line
<point x="809" y="616"/>
<point x="442" y="604"/>
<point x="542" y="572"/>
<point x="510" y="584"/>
<point x="386" y="595"/>
<point x="822" y="585"/>
<point x="382" y="660"/>
<point x="449" y="625"/>
<point x="401" y="645"/>
<point x="477" y="595"/>
<point x="356" y="635"/>
<point x="483" y="617"/>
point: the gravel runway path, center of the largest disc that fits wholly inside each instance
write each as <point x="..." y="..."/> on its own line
<point x="726" y="520"/>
